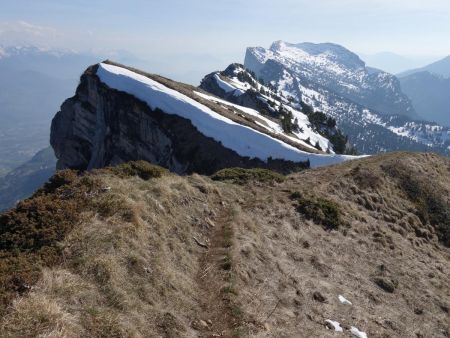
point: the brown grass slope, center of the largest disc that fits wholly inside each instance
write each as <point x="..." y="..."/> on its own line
<point x="159" y="255"/>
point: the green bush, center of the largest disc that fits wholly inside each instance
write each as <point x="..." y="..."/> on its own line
<point x="143" y="169"/>
<point x="242" y="176"/>
<point x="319" y="210"/>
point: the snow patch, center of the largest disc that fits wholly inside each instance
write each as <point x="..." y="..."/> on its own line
<point x="343" y="300"/>
<point x="358" y="333"/>
<point x="223" y="84"/>
<point x="337" y="327"/>
<point x="237" y="87"/>
<point x="271" y="125"/>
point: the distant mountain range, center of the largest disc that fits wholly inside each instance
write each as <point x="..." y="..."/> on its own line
<point x="393" y="63"/>
<point x="33" y="83"/>
<point x="429" y="90"/>
<point x="368" y="104"/>
<point x="439" y="68"/>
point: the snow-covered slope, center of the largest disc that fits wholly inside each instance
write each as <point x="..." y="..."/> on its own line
<point x="366" y="103"/>
<point x="337" y="69"/>
<point x="275" y="127"/>
<point x="244" y="140"/>
<point x="236" y="84"/>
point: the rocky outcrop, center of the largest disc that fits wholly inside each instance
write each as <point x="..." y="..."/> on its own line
<point x="101" y="126"/>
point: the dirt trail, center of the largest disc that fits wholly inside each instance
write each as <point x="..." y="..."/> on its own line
<point x="215" y="282"/>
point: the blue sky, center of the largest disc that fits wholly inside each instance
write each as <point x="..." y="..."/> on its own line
<point x="183" y="38"/>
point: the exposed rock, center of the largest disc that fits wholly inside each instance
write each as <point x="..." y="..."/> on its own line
<point x="317" y="296"/>
<point x="386" y="284"/>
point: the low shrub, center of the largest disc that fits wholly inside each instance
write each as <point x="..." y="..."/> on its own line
<point x="242" y="176"/>
<point x="59" y="179"/>
<point x="30" y="233"/>
<point x="143" y="169"/>
<point x="319" y="210"/>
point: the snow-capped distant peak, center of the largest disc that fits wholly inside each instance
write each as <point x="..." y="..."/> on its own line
<point x="368" y="104"/>
<point x="321" y="55"/>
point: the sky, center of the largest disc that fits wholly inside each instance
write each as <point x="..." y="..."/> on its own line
<point x="186" y="38"/>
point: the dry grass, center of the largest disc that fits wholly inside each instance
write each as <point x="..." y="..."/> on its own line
<point x="133" y="269"/>
<point x="285" y="260"/>
<point x="128" y="268"/>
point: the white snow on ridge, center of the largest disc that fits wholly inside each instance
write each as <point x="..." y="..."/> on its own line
<point x="242" y="139"/>
<point x="270" y="125"/>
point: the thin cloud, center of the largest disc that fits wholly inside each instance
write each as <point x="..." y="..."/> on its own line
<point x="23" y="32"/>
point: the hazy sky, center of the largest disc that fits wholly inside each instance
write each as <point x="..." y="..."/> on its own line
<point x="187" y="37"/>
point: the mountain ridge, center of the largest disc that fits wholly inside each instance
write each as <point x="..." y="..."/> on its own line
<point x="113" y="245"/>
<point x="440" y="67"/>
<point x="236" y="84"/>
<point x="348" y="95"/>
<point x="428" y="89"/>
<point x="84" y="119"/>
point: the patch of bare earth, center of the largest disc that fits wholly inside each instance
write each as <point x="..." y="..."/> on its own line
<point x="214" y="281"/>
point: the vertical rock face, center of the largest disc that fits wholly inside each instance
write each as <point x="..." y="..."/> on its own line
<point x="101" y="126"/>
